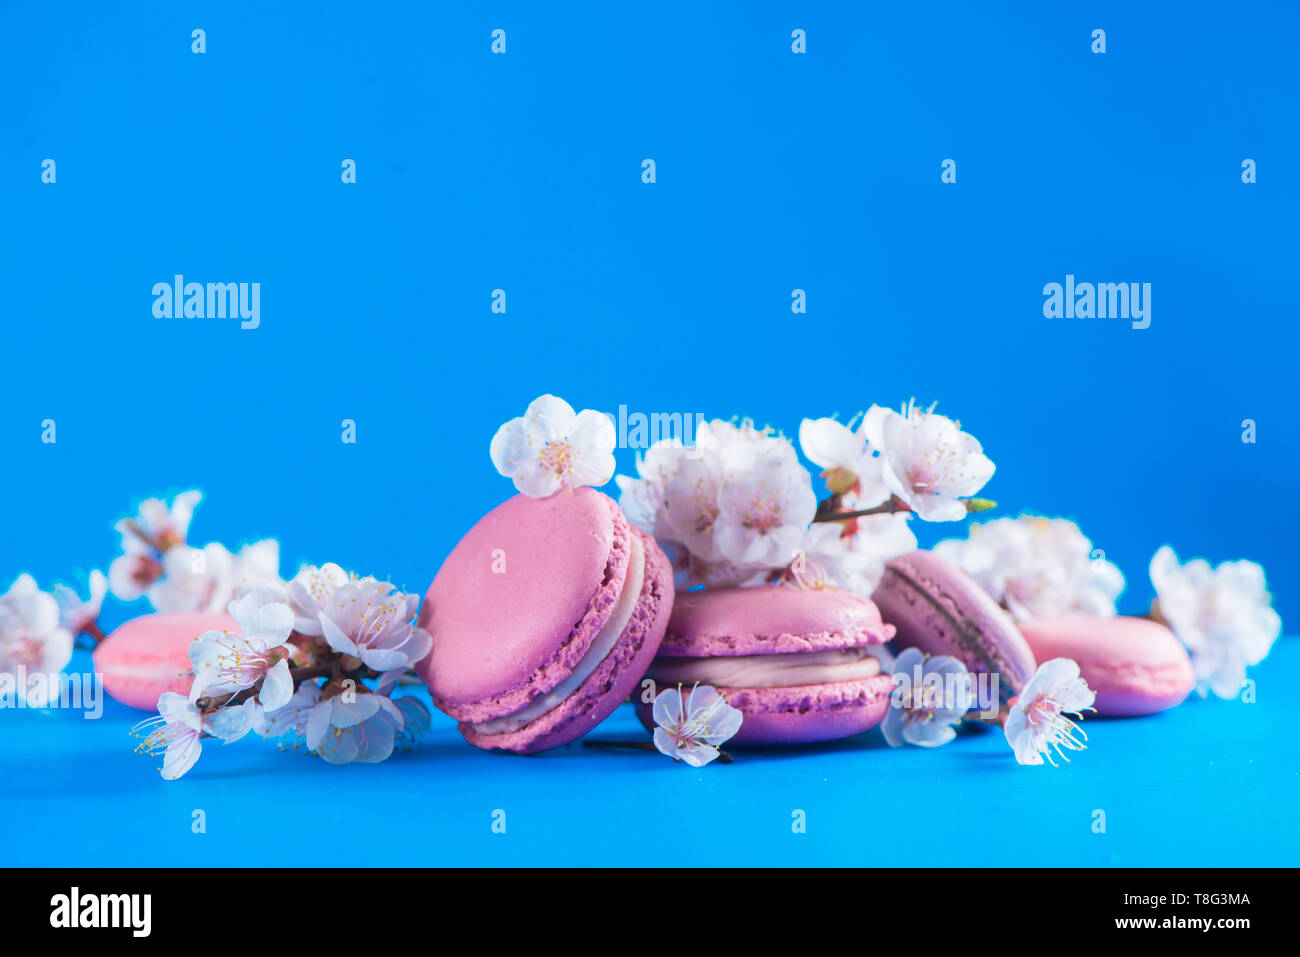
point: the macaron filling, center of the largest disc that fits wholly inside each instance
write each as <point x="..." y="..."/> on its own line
<point x="789" y="670"/>
<point x="601" y="646"/>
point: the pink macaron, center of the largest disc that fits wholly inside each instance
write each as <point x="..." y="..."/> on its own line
<point x="939" y="609"/>
<point x="150" y="655"/>
<point x="1136" y="666"/>
<point x="543" y="619"/>
<point x="795" y="662"/>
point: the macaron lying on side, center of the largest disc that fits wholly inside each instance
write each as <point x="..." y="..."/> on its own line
<point x="1136" y="666"/>
<point x="795" y="662"/>
<point x="150" y="654"/>
<point x="941" y="610"/>
<point x="543" y="618"/>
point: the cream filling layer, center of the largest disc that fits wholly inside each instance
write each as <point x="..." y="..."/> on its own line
<point x="601" y="646"/>
<point x="768" y="671"/>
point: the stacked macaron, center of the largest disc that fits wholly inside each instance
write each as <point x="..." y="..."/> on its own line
<point x="543" y="619"/>
<point x="796" y="663"/>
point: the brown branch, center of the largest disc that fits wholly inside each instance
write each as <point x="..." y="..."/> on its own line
<point x="895" y="504"/>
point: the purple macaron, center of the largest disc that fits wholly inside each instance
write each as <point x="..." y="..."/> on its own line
<point x="795" y="662"/>
<point x="543" y="619"/>
<point x="939" y="609"/>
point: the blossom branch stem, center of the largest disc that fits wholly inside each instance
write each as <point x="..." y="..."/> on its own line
<point x="207" y="704"/>
<point x="134" y="528"/>
<point x="895" y="504"/>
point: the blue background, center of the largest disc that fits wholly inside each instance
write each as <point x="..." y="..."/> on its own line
<point x="523" y="172"/>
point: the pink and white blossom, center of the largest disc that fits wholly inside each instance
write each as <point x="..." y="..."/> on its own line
<point x="828" y="558"/>
<point x="194" y="579"/>
<point x="206" y="579"/>
<point x="931" y="695"/>
<point x="160" y="526"/>
<point x="131" y="573"/>
<point x="849" y="462"/>
<point x="1223" y="614"/>
<point x="178" y="730"/>
<point x="341" y="732"/>
<point x="691" y="728"/>
<point x="227" y="662"/>
<point x="678" y="494"/>
<point x="1040" y="719"/>
<point x="353" y="726"/>
<point x="550" y="447"/>
<point x="311" y="590"/>
<point x="372" y="622"/>
<point x="291" y="719"/>
<point x="764" y="509"/>
<point x="1037" y="568"/>
<point x="927" y="460"/>
<point x="32" y="639"/>
<point x="77" y="614"/>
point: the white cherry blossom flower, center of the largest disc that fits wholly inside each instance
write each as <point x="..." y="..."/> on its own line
<point x="177" y="731"/>
<point x="848" y="460"/>
<point x="206" y="579"/>
<point x="257" y="565"/>
<point x="159" y="526"/>
<point x="765" y="506"/>
<point x="194" y="579"/>
<point x="931" y="695"/>
<point x="416" y="719"/>
<point x="78" y="615"/>
<point x="132" y="572"/>
<point x="1037" y="568"/>
<point x="226" y="662"/>
<point x="291" y="719"/>
<point x="690" y="730"/>
<point x="550" y="448"/>
<point x="1039" y="722"/>
<point x="374" y="623"/>
<point x="32" y="639"/>
<point x="310" y="591"/>
<point x="826" y="558"/>
<point x="361" y="726"/>
<point x="155" y="529"/>
<point x="1224" y="616"/>
<point x="852" y="558"/>
<point x="690" y="571"/>
<point x="690" y="509"/>
<point x="927" y="460"/>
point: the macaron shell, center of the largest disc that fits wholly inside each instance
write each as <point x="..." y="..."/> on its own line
<point x="520" y="599"/>
<point x="770" y="620"/>
<point x="804" y="714"/>
<point x="1136" y="666"/>
<point x="613" y="680"/>
<point x="939" y="609"/>
<point x="147" y="655"/>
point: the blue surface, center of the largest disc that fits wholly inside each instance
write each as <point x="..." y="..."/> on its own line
<point x="1209" y="783"/>
<point x="523" y="172"/>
